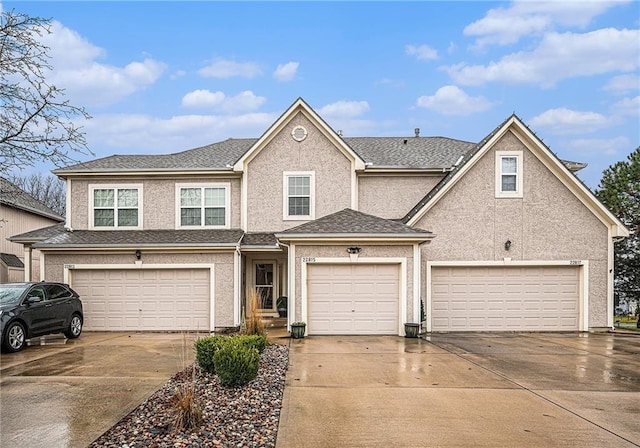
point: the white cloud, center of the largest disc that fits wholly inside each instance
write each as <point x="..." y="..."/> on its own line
<point x="178" y="74"/>
<point x="623" y="84"/>
<point x="153" y="135"/>
<point x="202" y="98"/>
<point x="223" y="68"/>
<point x="627" y="107"/>
<point x="559" y="56"/>
<point x="567" y="121"/>
<point x="286" y="72"/>
<point x="423" y="52"/>
<point x="599" y="146"/>
<point x="244" y="101"/>
<point x="87" y="81"/>
<point x="505" y="26"/>
<point x="345" y="109"/>
<point x="451" y="100"/>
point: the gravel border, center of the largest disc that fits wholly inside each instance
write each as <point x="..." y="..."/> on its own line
<point x="245" y="416"/>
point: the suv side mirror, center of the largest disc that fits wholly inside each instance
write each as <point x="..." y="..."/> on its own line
<point x="34" y="299"/>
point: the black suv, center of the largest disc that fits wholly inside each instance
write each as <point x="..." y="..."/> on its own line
<point x="28" y="310"/>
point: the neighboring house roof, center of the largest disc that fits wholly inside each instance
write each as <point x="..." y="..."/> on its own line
<point x="351" y="223"/>
<point x="143" y="238"/>
<point x="42" y="234"/>
<point x="13" y="196"/>
<point x="540" y="150"/>
<point x="11" y="261"/>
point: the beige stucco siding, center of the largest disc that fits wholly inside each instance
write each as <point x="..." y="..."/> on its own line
<point x="547" y="223"/>
<point x="223" y="272"/>
<point x="392" y="197"/>
<point x="264" y="177"/>
<point x="159" y="199"/>
<point x="368" y="252"/>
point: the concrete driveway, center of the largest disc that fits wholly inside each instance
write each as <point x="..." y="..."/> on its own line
<point x="481" y="390"/>
<point x="67" y="394"/>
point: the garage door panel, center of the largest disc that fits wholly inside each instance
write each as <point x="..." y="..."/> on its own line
<point x="505" y="298"/>
<point x="353" y="299"/>
<point x="144" y="299"/>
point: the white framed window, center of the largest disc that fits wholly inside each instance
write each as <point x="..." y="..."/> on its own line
<point x="115" y="206"/>
<point x="298" y="195"/>
<point x="200" y="205"/>
<point x="509" y="181"/>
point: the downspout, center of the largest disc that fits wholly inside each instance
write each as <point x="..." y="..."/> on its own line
<point x="237" y="284"/>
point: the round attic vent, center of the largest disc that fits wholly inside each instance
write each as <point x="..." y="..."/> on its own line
<point x="299" y="133"/>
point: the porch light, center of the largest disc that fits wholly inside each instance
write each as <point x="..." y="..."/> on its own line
<point x="138" y="254"/>
<point x="507" y="245"/>
<point x="354" y="249"/>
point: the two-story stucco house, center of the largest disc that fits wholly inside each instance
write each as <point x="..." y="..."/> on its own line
<point x="494" y="236"/>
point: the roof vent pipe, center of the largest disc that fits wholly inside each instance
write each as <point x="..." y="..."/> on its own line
<point x="417" y="131"/>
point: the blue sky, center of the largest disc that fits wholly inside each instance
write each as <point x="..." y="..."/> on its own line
<point x="161" y="77"/>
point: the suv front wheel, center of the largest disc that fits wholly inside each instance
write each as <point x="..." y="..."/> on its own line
<point x="15" y="337"/>
<point x="75" y="327"/>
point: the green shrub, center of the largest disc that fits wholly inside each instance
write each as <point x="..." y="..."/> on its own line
<point x="236" y="364"/>
<point x="256" y="341"/>
<point x="206" y="348"/>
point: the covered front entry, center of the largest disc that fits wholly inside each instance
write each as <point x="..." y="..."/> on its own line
<point x="144" y="299"/>
<point x="499" y="298"/>
<point x="353" y="298"/>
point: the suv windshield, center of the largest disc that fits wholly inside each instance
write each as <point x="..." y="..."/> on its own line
<point x="10" y="294"/>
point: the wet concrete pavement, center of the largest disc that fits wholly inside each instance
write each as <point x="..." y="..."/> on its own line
<point x="500" y="390"/>
<point x="67" y="394"/>
<point x="487" y="390"/>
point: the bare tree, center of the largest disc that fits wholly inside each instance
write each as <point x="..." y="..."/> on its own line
<point x="46" y="188"/>
<point x="36" y="121"/>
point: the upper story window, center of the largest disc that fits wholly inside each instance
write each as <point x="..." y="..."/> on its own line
<point x="299" y="190"/>
<point x="203" y="205"/>
<point x="509" y="174"/>
<point x="116" y="206"/>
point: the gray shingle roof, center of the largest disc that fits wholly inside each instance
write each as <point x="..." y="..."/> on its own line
<point x="347" y="222"/>
<point x="38" y="234"/>
<point x="143" y="238"/>
<point x="259" y="239"/>
<point x="15" y="197"/>
<point x="409" y="152"/>
<point x="216" y="156"/>
<point x="11" y="260"/>
<point x="418" y="152"/>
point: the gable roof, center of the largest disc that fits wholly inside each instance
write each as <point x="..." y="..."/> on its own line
<point x="13" y="196"/>
<point x="350" y="224"/>
<point x="542" y="152"/>
<point x="299" y="106"/>
<point x="11" y="261"/>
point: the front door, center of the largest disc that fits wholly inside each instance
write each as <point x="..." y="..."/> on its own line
<point x="264" y="274"/>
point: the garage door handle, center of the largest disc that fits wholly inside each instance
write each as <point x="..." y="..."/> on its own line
<point x="353" y="311"/>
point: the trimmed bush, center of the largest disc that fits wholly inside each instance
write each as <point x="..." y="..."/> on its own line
<point x="256" y="341"/>
<point x="236" y="364"/>
<point x="206" y="348"/>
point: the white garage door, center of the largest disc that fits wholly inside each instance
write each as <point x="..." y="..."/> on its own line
<point x="143" y="299"/>
<point x="353" y="298"/>
<point x="505" y="298"/>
